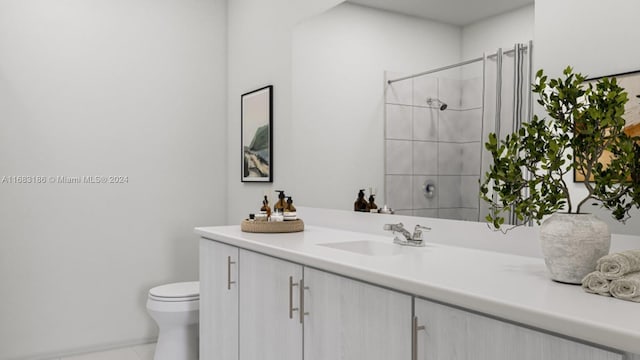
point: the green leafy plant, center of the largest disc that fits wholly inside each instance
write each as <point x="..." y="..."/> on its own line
<point x="585" y="122"/>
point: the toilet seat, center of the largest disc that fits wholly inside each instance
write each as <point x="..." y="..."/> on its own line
<point x="176" y="292"/>
<point x="173" y="299"/>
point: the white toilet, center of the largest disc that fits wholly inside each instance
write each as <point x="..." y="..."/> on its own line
<point x="175" y="308"/>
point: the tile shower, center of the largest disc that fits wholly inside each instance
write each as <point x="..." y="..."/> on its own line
<point x="434" y="158"/>
<point x="444" y="146"/>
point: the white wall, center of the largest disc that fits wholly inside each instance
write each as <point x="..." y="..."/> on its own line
<point x="259" y="53"/>
<point x="597" y="38"/>
<point x="105" y="87"/>
<point x="339" y="60"/>
<point x="500" y="31"/>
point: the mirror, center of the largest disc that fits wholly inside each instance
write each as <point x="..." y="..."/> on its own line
<point x="339" y="59"/>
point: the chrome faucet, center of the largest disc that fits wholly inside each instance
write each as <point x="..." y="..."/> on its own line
<point x="409" y="240"/>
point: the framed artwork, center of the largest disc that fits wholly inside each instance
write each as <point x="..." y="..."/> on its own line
<point x="630" y="81"/>
<point x="256" y="135"/>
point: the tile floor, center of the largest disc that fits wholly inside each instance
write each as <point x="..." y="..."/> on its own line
<point x="138" y="352"/>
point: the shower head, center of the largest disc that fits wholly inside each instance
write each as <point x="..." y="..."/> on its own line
<point x="433" y="101"/>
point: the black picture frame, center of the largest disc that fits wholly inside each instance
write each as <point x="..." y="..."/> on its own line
<point x="256" y="135"/>
<point x="630" y="81"/>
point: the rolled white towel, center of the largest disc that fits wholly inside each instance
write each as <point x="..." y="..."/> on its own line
<point x="614" y="266"/>
<point x="627" y="287"/>
<point x="596" y="283"/>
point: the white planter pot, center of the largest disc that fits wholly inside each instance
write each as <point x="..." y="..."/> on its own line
<point x="572" y="244"/>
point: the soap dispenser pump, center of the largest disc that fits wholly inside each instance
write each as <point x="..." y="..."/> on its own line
<point x="290" y="208"/>
<point x="281" y="204"/>
<point x="361" y="204"/>
<point x="265" y="209"/>
<point x="372" y="205"/>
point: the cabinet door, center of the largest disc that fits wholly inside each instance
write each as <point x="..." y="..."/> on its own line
<point x="349" y="320"/>
<point x="269" y="330"/>
<point x="218" y="301"/>
<point x="455" y="334"/>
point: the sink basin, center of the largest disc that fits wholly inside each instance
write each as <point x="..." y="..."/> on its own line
<point x="366" y="247"/>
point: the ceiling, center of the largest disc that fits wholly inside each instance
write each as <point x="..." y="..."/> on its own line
<point x="456" y="12"/>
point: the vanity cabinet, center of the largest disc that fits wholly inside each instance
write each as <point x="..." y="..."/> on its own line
<point x="254" y="306"/>
<point x="349" y="319"/>
<point x="270" y="327"/>
<point x="258" y="324"/>
<point x="218" y="300"/>
<point x="444" y="332"/>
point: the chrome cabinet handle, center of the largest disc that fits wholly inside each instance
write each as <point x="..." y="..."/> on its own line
<point x="291" y="308"/>
<point x="302" y="288"/>
<point x="229" y="282"/>
<point x="414" y="338"/>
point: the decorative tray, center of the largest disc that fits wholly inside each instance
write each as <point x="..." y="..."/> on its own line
<point x="272" y="226"/>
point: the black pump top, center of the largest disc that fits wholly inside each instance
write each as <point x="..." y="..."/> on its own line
<point x="280" y="194"/>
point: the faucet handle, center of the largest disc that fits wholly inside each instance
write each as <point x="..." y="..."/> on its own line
<point x="417" y="232"/>
<point x="393" y="227"/>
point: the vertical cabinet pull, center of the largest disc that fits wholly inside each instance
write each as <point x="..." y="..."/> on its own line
<point x="229" y="282"/>
<point x="414" y="338"/>
<point x="291" y="308"/>
<point x="300" y="307"/>
<point x="302" y="288"/>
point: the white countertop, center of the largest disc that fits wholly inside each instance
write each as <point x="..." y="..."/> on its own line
<point x="512" y="287"/>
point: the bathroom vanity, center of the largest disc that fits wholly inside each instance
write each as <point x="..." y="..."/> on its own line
<point x="335" y="294"/>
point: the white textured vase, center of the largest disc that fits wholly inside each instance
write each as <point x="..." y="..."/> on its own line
<point x="572" y="244"/>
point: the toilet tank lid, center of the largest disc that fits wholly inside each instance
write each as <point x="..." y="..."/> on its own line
<point x="176" y="290"/>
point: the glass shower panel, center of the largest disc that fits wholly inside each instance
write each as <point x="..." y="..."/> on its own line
<point x="432" y="144"/>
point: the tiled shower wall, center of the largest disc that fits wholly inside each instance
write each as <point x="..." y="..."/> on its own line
<point x="424" y="144"/>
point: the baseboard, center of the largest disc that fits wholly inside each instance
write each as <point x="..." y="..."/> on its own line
<point x="86" y="350"/>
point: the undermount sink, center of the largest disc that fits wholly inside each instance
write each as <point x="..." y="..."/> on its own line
<point x="366" y="247"/>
